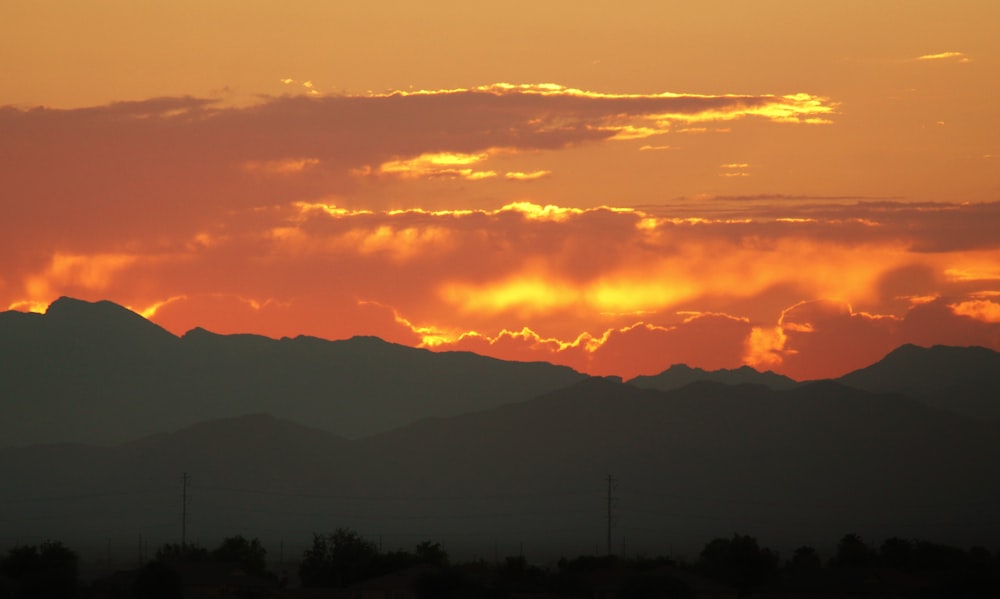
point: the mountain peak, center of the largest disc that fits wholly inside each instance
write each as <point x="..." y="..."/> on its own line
<point x="101" y="317"/>
<point x="198" y="332"/>
<point x="71" y="306"/>
<point x="959" y="379"/>
<point x="930" y="365"/>
<point x="680" y="375"/>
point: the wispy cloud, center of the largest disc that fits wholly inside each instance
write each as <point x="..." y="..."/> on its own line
<point x="438" y="164"/>
<point x="734" y="169"/>
<point x="531" y="176"/>
<point x="954" y="56"/>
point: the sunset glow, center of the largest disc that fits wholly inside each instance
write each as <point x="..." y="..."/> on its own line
<point x="777" y="184"/>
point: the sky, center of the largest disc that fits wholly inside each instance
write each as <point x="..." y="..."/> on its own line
<point x="614" y="186"/>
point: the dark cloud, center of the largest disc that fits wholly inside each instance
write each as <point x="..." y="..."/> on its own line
<point x="171" y="166"/>
<point x="828" y="338"/>
<point x="710" y="341"/>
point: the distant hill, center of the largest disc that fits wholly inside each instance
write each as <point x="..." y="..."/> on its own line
<point x="805" y="465"/>
<point x="99" y="373"/>
<point x="680" y="375"/>
<point x="965" y="380"/>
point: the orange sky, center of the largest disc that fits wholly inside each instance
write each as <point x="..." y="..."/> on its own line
<point x="613" y="186"/>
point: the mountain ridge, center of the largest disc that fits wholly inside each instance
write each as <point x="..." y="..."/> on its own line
<point x="788" y="466"/>
<point x="99" y="373"/>
<point x="679" y="375"/>
<point x="965" y="380"/>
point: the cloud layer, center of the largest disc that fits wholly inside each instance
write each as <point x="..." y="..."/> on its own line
<point x="423" y="217"/>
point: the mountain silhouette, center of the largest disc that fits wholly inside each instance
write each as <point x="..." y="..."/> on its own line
<point x="790" y="467"/>
<point x="103" y="411"/>
<point x="965" y="380"/>
<point x="99" y="373"/>
<point x="680" y="375"/>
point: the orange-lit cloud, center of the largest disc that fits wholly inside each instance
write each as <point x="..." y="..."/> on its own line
<point x="610" y="291"/>
<point x="90" y="274"/>
<point x="956" y="56"/>
<point x="979" y="309"/>
<point x="440" y="164"/>
<point x="533" y="221"/>
<point x="659" y="108"/>
<point x="533" y="175"/>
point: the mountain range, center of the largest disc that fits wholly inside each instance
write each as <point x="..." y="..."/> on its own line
<point x="99" y="373"/>
<point x="499" y="463"/>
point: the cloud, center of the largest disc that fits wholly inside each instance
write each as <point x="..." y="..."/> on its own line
<point x="439" y="164"/>
<point x="167" y="167"/>
<point x="562" y="272"/>
<point x="953" y="56"/>
<point x="979" y="309"/>
<point x="710" y="341"/>
<point x="332" y="216"/>
<point x="827" y="338"/>
<point x="734" y="169"/>
<point x="66" y="273"/>
<point x="832" y="331"/>
<point x="707" y="340"/>
<point x="532" y="176"/>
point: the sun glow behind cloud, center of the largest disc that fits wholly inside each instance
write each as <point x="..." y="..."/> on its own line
<point x="615" y="232"/>
<point x="500" y="280"/>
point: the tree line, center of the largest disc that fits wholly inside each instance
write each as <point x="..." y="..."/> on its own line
<point x="344" y="558"/>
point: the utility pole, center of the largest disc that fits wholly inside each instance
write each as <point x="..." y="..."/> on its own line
<point x="184" y="509"/>
<point x="611" y="487"/>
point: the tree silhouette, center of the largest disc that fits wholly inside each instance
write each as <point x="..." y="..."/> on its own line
<point x="852" y="552"/>
<point x="739" y="561"/>
<point x="337" y="559"/>
<point x="804" y="561"/>
<point x="46" y="570"/>
<point x="250" y="554"/>
<point x="515" y="574"/>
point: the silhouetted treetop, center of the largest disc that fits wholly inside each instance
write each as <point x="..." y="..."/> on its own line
<point x="42" y="571"/>
<point x="738" y="561"/>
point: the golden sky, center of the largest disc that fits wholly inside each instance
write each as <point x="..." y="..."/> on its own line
<point x="797" y="186"/>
